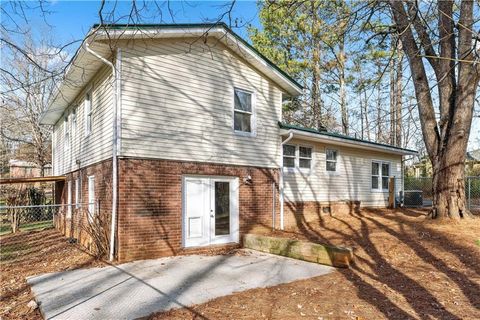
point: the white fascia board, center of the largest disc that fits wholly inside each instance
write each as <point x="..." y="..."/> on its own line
<point x="308" y="136"/>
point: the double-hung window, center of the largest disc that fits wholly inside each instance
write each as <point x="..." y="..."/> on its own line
<point x="297" y="157"/>
<point x="331" y="160"/>
<point x="66" y="132"/>
<point x="380" y="175"/>
<point x="88" y="112"/>
<point x="289" y="152"/>
<point x="304" y="157"/>
<point x="243" y="112"/>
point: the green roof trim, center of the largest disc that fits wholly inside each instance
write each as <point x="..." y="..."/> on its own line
<point x="201" y="25"/>
<point x="340" y="136"/>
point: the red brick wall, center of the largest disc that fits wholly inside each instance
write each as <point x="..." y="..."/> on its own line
<point x="150" y="203"/>
<point x="75" y="227"/>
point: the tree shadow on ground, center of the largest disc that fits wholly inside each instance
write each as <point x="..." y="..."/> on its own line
<point x="367" y="230"/>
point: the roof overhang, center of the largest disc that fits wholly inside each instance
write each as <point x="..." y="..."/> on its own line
<point x="352" y="143"/>
<point x="32" y="179"/>
<point x="84" y="65"/>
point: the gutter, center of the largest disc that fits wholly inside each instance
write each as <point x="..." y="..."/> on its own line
<point x="282" y="183"/>
<point x="115" y="139"/>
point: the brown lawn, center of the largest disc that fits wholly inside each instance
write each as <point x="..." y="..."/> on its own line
<point x="31" y="253"/>
<point x="407" y="267"/>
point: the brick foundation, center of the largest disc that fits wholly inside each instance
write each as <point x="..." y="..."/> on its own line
<point x="298" y="214"/>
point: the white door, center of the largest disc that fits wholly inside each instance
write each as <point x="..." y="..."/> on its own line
<point x="210" y="211"/>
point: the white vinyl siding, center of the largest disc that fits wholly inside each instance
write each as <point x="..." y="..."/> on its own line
<point x="352" y="179"/>
<point x="177" y="103"/>
<point x="97" y="146"/>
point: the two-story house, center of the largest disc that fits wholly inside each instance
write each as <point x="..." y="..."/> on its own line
<point x="174" y="134"/>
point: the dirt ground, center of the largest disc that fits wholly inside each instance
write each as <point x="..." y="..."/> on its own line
<point x="407" y="267"/>
<point x="32" y="253"/>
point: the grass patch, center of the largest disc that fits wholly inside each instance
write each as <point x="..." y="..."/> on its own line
<point x="6" y="228"/>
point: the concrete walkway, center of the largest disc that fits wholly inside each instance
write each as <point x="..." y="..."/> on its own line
<point x="139" y="288"/>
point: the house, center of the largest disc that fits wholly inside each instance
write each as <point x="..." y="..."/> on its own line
<point x="27" y="169"/>
<point x="176" y="137"/>
<point x="423" y="167"/>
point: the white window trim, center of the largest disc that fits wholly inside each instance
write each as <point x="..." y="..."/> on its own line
<point x="78" y="186"/>
<point x="297" y="168"/>
<point x="380" y="176"/>
<point x="88" y="129"/>
<point x="336" y="161"/>
<point x="91" y="200"/>
<point x="69" y="199"/>
<point x="66" y="130"/>
<point x="253" y="118"/>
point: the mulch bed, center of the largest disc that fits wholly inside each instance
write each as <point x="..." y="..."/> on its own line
<point x="32" y="253"/>
<point x="407" y="267"/>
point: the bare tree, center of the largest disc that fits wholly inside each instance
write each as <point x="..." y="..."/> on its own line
<point x="451" y="50"/>
<point x="27" y="81"/>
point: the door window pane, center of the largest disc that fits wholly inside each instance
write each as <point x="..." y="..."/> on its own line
<point x="222" y="208"/>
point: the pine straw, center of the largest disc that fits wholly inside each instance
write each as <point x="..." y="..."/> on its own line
<point x="32" y="253"/>
<point x="406" y="267"/>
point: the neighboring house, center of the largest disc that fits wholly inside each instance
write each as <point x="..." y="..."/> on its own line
<point x="186" y="139"/>
<point x="26" y="169"/>
<point x="423" y="167"/>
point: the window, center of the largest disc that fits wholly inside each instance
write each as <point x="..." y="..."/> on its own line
<point x="88" y="113"/>
<point x="66" y="132"/>
<point x="74" y="118"/>
<point x="331" y="157"/>
<point x="380" y="170"/>
<point x="69" y="199"/>
<point x="243" y="111"/>
<point x="305" y="157"/>
<point x="289" y="156"/>
<point x="77" y="193"/>
<point x="297" y="156"/>
<point x="91" y="197"/>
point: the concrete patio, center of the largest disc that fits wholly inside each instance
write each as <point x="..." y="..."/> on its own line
<point x="140" y="288"/>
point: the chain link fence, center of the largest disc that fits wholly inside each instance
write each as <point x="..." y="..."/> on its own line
<point x="25" y="218"/>
<point x="418" y="192"/>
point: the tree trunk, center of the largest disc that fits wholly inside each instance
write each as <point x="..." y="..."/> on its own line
<point x="343" y="91"/>
<point x="399" y="95"/>
<point x="449" y="187"/>
<point x="392" y="65"/>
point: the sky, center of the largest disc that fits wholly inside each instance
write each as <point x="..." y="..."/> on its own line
<point x="71" y="20"/>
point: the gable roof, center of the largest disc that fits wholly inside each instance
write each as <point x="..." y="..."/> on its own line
<point x="336" y="138"/>
<point x="84" y="65"/>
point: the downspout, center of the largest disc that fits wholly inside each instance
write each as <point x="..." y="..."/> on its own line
<point x="116" y="89"/>
<point x="282" y="184"/>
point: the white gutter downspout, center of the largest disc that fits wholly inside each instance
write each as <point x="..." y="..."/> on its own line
<point x="282" y="184"/>
<point x="116" y="90"/>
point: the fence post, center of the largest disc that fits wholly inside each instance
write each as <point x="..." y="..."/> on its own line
<point x="469" y="191"/>
<point x="391" y="193"/>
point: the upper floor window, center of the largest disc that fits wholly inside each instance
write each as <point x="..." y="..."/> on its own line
<point x="74" y="118"/>
<point x="289" y="156"/>
<point x="243" y="111"/>
<point x="88" y="112"/>
<point x="66" y="132"/>
<point x="331" y="160"/>
<point x="297" y="156"/>
<point x="304" y="157"/>
<point x="380" y="175"/>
